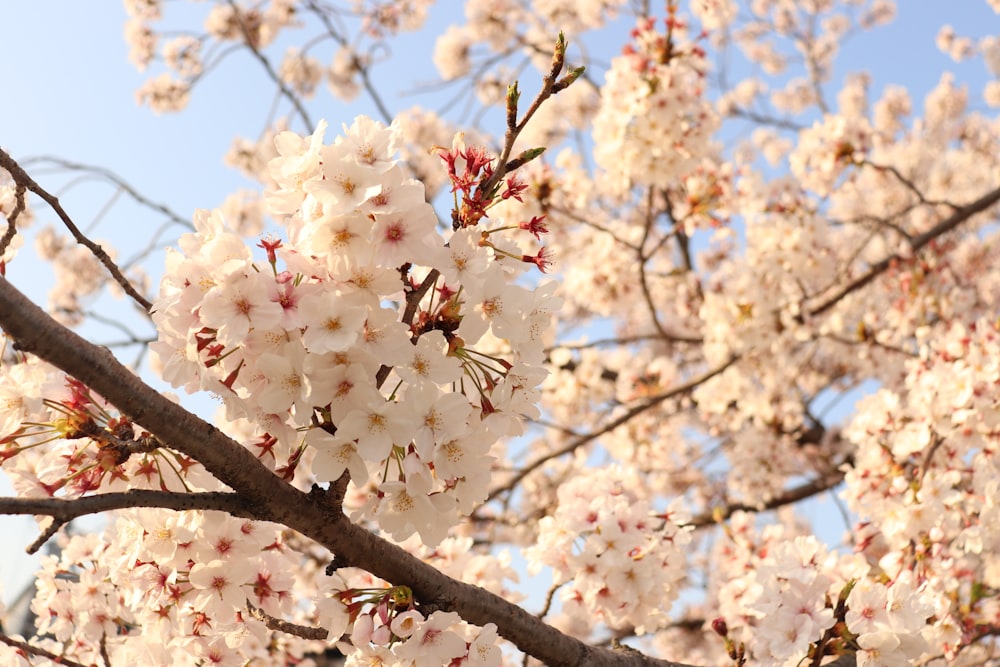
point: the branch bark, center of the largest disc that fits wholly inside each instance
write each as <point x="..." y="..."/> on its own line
<point x="67" y="509"/>
<point x="38" y="651"/>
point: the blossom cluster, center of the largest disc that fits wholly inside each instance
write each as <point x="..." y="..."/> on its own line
<point x="788" y="588"/>
<point x="926" y="477"/>
<point x="512" y="26"/>
<point x="366" y="343"/>
<point x="660" y="124"/>
<point x="784" y="595"/>
<point x="196" y="588"/>
<point x="188" y="55"/>
<point x="380" y="624"/>
<point x="169" y="587"/>
<point x="623" y="561"/>
<point x="827" y="148"/>
<point x="178" y="595"/>
<point x="387" y="636"/>
<point x="366" y="338"/>
<point x="375" y="339"/>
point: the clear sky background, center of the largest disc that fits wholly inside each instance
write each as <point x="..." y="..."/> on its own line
<point x="68" y="90"/>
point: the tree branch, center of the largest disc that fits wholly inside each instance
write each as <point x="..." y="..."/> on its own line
<point x="610" y="426"/>
<point x="11" y="231"/>
<point x="641" y="259"/>
<point x="115" y="180"/>
<point x="793" y="495"/>
<point x="960" y="215"/>
<point x="761" y="119"/>
<point x="40" y="652"/>
<point x="64" y="510"/>
<point x="360" y="66"/>
<point x="413" y="299"/>
<point x="280" y="625"/>
<point x="550" y="86"/>
<point x="272" y="499"/>
<point x="21" y="178"/>
<point x="252" y="44"/>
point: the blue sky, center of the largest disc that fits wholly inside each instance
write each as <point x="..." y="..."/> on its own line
<point x="69" y="91"/>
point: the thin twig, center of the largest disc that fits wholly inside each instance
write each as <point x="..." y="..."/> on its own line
<point x="40" y="652"/>
<point x="21" y="177"/>
<point x="551" y="85"/>
<point x="623" y="340"/>
<point x="607" y="428"/>
<point x="11" y="230"/>
<point x="117" y="181"/>
<point x="412" y="302"/>
<point x="280" y="625"/>
<point x="642" y="258"/>
<point x="266" y="64"/>
<point x="105" y="658"/>
<point x="760" y="119"/>
<point x="793" y="495"/>
<point x="359" y="66"/>
<point x="907" y="183"/>
<point x="549" y="597"/>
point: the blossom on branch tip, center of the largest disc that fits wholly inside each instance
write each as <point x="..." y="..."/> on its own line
<point x="542" y="259"/>
<point x="536" y="226"/>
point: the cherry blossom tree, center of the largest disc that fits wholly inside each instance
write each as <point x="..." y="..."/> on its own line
<point x="588" y="331"/>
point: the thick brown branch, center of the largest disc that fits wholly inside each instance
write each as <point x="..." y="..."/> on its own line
<point x="22" y="179"/>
